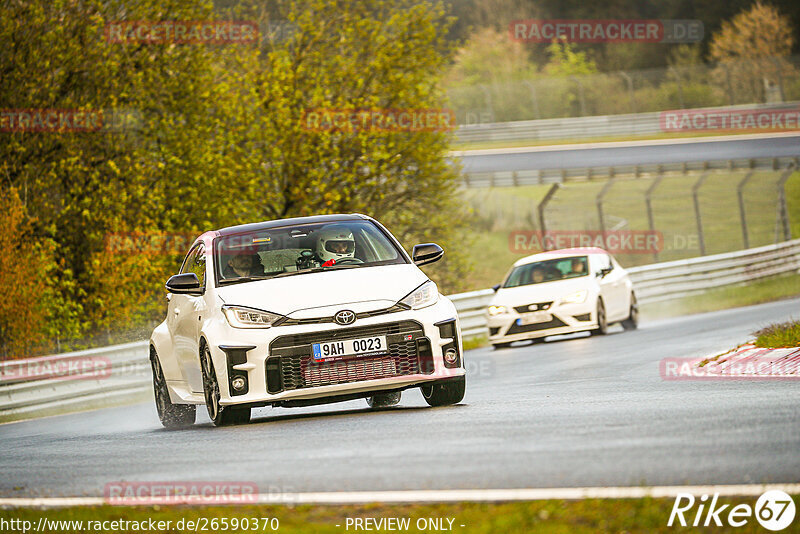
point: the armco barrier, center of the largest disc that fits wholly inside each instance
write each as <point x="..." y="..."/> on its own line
<point x="24" y="393"/>
<point x="584" y="127"/>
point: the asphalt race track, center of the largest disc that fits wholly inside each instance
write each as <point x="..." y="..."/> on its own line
<point x="586" y="411"/>
<point x="615" y="154"/>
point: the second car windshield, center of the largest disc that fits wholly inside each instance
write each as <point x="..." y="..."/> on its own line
<point x="300" y="249"/>
<point x="548" y="271"/>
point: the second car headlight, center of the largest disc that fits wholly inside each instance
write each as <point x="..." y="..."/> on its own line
<point x="496" y="310"/>
<point x="425" y="295"/>
<point x="575" y="298"/>
<point x="241" y="317"/>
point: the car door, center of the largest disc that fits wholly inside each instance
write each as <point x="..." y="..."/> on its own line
<point x="187" y="311"/>
<point x="617" y="303"/>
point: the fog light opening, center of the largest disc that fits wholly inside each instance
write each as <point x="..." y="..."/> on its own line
<point x="450" y="356"/>
<point x="238" y="383"/>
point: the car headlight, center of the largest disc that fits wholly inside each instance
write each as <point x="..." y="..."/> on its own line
<point x="425" y="295"/>
<point x="496" y="310"/>
<point x="575" y="298"/>
<point x="241" y="317"/>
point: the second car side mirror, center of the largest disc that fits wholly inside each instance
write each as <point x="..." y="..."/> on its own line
<point x="185" y="283"/>
<point x="426" y="253"/>
<point x="496" y="287"/>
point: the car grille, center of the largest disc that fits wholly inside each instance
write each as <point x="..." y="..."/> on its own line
<point x="291" y="366"/>
<point x="329" y="319"/>
<point x="555" y="322"/>
<point x="538" y="306"/>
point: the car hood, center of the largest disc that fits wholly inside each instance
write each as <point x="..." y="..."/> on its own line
<point x="545" y="292"/>
<point x="307" y="295"/>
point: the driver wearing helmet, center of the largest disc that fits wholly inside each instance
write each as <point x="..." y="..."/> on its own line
<point x="334" y="244"/>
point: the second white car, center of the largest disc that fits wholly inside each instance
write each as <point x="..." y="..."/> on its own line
<point x="561" y="292"/>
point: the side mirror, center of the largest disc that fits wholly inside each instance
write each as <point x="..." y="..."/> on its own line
<point x="426" y="253"/>
<point x="496" y="287"/>
<point x="185" y="283"/>
<point x="604" y="271"/>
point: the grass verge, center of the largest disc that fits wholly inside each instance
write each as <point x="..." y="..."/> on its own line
<point x="768" y="290"/>
<point x="483" y="145"/>
<point x="551" y="516"/>
<point x="778" y="336"/>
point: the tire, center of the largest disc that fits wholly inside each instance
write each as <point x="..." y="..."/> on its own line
<point x="384" y="400"/>
<point x="497" y="346"/>
<point x="632" y="322"/>
<point x="219" y="415"/>
<point x="445" y="393"/>
<point x="171" y="415"/>
<point x="602" y="321"/>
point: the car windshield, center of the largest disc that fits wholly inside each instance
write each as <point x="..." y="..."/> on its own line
<point x="547" y="271"/>
<point x="300" y="249"/>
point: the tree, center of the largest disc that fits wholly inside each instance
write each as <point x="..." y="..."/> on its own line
<point x="750" y="49"/>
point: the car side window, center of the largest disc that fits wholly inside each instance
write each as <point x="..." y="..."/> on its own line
<point x="196" y="263"/>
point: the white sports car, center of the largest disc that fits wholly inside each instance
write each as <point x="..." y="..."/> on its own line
<point x="561" y="292"/>
<point x="299" y="312"/>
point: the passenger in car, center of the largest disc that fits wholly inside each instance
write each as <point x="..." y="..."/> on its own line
<point x="243" y="265"/>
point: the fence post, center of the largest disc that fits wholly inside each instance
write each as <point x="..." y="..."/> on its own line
<point x="742" y="216"/>
<point x="630" y="90"/>
<point x="541" y="207"/>
<point x="780" y="78"/>
<point x="696" y="200"/>
<point x="599" y="202"/>
<point x="581" y="96"/>
<point x="648" y="203"/>
<point x="783" y="211"/>
<point x="534" y="98"/>
<point x="728" y="80"/>
<point x="678" y="83"/>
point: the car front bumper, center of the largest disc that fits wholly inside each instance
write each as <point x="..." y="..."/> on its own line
<point x="277" y="365"/>
<point x="566" y="319"/>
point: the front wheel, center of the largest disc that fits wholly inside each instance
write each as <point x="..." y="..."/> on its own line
<point x="602" y="321"/>
<point x="632" y="322"/>
<point x="384" y="400"/>
<point x="219" y="415"/>
<point x="171" y="415"/>
<point x="444" y="393"/>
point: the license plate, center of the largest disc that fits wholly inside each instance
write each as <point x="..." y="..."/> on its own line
<point x="535" y="317"/>
<point x="334" y="350"/>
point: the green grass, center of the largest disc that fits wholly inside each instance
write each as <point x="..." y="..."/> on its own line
<point x="546" y="516"/>
<point x="603" y="139"/>
<point x="766" y="290"/>
<point x="779" y="335"/>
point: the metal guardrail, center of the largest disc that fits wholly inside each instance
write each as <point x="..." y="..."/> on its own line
<point x="589" y="174"/>
<point x="584" y="127"/>
<point x="119" y="374"/>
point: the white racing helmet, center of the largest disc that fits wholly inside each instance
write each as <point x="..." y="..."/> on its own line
<point x="335" y="242"/>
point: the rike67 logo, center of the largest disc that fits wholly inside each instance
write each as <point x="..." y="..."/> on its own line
<point x="774" y="510"/>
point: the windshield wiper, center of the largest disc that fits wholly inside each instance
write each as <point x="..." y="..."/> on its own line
<point x="243" y="279"/>
<point x="318" y="269"/>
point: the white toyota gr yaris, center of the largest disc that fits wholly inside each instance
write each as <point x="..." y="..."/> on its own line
<point x="303" y="311"/>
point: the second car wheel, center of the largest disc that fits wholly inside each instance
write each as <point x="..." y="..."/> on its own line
<point x="383" y="400"/>
<point x="219" y="415"/>
<point x="602" y="320"/>
<point x="444" y="393"/>
<point x="632" y="322"/>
